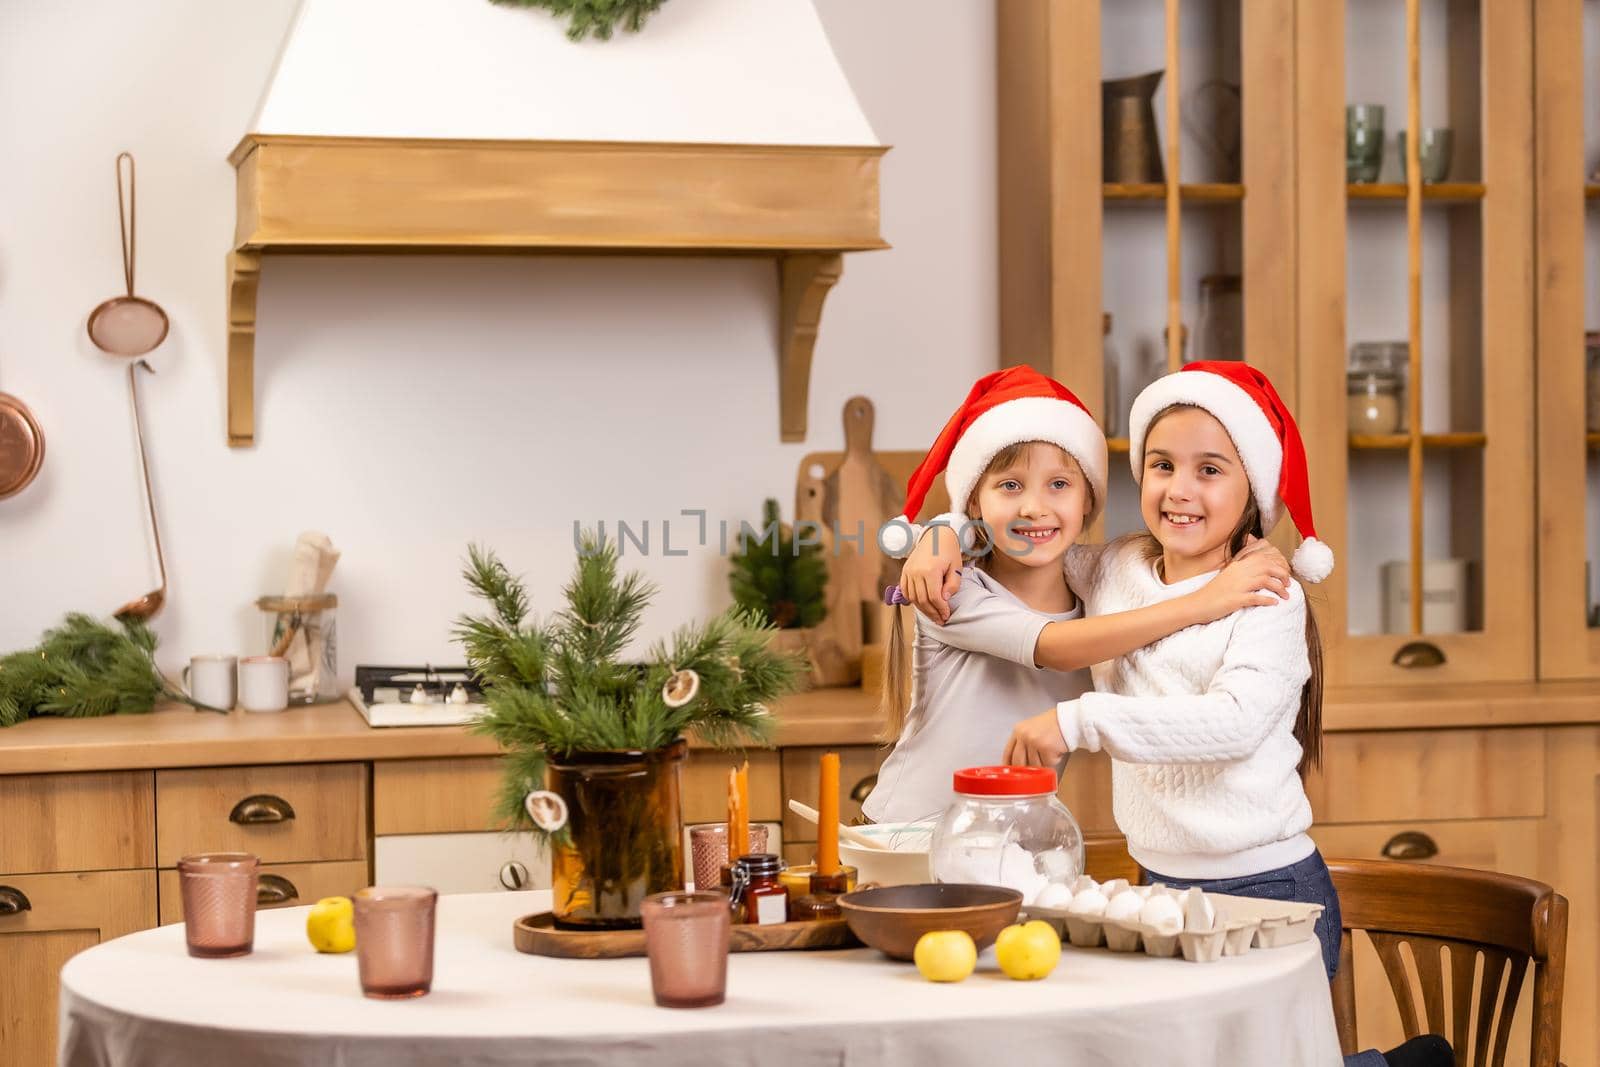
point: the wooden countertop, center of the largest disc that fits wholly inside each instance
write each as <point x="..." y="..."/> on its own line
<point x="175" y="736"/>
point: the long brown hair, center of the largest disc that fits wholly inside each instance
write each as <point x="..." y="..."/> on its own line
<point x="898" y="665"/>
<point x="1308" y="723"/>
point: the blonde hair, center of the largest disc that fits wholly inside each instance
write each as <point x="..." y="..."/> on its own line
<point x="898" y="660"/>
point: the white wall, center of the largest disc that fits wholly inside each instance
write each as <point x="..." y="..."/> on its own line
<point x="410" y="405"/>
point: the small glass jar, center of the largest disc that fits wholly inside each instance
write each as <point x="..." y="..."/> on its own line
<point x="821" y="901"/>
<point x="1111" y="366"/>
<point x="304" y="630"/>
<point x="1219" y="331"/>
<point x="1374" y="401"/>
<point x="1007" y="827"/>
<point x="757" y="897"/>
<point x="1591" y="407"/>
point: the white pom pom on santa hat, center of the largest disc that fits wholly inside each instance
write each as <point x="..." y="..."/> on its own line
<point x="1313" y="560"/>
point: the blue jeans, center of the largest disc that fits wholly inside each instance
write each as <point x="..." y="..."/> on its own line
<point x="1306" y="882"/>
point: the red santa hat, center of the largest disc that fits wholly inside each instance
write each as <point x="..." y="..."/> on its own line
<point x="1249" y="408"/>
<point x="1005" y="408"/>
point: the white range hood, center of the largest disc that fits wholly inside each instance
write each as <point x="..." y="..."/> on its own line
<point x="725" y="126"/>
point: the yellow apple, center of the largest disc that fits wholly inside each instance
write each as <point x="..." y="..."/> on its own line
<point x="945" y="955"/>
<point x="1028" y="951"/>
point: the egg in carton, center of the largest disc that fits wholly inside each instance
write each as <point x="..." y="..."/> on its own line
<point x="1121" y="923"/>
<point x="1160" y="922"/>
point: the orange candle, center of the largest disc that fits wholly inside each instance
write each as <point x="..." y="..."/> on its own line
<point x="742" y="840"/>
<point x="733" y="811"/>
<point x="828" y="815"/>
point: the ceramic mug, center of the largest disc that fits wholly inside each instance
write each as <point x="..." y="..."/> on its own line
<point x="212" y="680"/>
<point x="263" y="683"/>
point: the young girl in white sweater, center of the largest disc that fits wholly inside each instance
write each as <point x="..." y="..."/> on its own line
<point x="1028" y="465"/>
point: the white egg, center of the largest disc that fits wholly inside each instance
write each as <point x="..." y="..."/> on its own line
<point x="1125" y="905"/>
<point x="1054" y="895"/>
<point x="1091" y="903"/>
<point x="1162" y="914"/>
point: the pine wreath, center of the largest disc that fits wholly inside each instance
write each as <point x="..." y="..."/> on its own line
<point x="597" y="17"/>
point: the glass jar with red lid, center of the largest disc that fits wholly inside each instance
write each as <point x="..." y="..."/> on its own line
<point x="1007" y="827"/>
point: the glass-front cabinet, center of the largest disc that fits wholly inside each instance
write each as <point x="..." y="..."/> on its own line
<point x="1567" y="301"/>
<point x="1186" y="179"/>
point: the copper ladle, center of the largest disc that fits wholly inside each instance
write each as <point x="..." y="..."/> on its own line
<point x="146" y="606"/>
<point x="127" y="325"/>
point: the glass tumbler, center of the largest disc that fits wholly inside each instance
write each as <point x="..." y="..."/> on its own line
<point x="219" y="903"/>
<point x="708" y="851"/>
<point x="394" y="941"/>
<point x="686" y="937"/>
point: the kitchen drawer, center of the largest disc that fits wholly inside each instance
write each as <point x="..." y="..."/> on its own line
<point x="78" y="822"/>
<point x="283" y="885"/>
<point x="1509" y="846"/>
<point x="435" y="796"/>
<point x="283" y="814"/>
<point x="705" y="785"/>
<point x="802" y="774"/>
<point x="66" y="914"/>
<point x="1403" y="775"/>
<point x="461" y="863"/>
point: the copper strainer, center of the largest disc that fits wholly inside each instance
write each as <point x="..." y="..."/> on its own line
<point x="127" y="325"/>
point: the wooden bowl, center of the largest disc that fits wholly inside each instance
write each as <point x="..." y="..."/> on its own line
<point x="892" y="918"/>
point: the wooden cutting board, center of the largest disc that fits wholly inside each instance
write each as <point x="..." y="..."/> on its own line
<point x="860" y="496"/>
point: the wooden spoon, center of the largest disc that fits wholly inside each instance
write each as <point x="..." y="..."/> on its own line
<point x="855" y="837"/>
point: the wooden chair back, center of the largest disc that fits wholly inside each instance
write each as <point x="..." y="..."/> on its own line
<point x="1451" y="918"/>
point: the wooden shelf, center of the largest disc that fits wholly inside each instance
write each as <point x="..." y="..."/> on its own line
<point x="1399" y="442"/>
<point x="1437" y="192"/>
<point x="1195" y="193"/>
<point x="1117" y="446"/>
<point x="802" y="205"/>
<point x="1591" y="191"/>
<point x="1593" y="441"/>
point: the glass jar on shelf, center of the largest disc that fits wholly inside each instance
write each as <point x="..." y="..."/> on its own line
<point x="1375" y="387"/>
<point x="1007" y="827"/>
<point x="1112" y="371"/>
<point x="1219" y="331"/>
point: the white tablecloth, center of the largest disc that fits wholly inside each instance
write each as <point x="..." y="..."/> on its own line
<point x="141" y="1000"/>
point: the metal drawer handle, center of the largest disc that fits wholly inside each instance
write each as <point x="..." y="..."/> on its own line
<point x="261" y="808"/>
<point x="514" y="876"/>
<point x="1419" y="654"/>
<point x="13" y="901"/>
<point x="274" y="889"/>
<point x="863" y="789"/>
<point x="1410" y="845"/>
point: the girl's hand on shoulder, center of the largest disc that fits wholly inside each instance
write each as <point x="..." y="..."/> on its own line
<point x="1036" y="742"/>
<point x="1257" y="577"/>
<point x="932" y="573"/>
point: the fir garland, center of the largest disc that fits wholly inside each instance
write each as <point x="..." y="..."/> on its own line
<point x="557" y="687"/>
<point x="778" y="578"/>
<point x="85" y="668"/>
<point x="597" y="17"/>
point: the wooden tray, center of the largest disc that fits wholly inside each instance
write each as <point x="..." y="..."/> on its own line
<point x="537" y="935"/>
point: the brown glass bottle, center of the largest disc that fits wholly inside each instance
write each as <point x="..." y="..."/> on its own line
<point x="823" y="900"/>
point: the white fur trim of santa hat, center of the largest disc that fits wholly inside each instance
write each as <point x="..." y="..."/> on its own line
<point x="1259" y="448"/>
<point x="1029" y="418"/>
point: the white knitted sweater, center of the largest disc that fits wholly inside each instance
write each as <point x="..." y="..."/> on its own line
<point x="1199" y="725"/>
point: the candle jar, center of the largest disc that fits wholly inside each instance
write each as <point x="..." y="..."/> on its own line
<point x="822" y="900"/>
<point x="796" y="880"/>
<point x="1374" y="401"/>
<point x="757" y="897"/>
<point x="1007" y="828"/>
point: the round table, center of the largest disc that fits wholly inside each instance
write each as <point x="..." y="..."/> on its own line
<point x="141" y="1000"/>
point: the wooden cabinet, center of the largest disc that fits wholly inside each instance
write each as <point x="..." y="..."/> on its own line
<point x="44" y="920"/>
<point x="75" y="822"/>
<point x="1566" y="138"/>
<point x="285" y="813"/>
<point x="282" y="885"/>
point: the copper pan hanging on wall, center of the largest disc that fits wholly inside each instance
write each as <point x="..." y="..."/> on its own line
<point x="21" y="446"/>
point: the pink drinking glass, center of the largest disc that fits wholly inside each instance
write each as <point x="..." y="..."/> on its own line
<point x="686" y="937"/>
<point x="708" y="850"/>
<point x="394" y="941"/>
<point x="219" y="903"/>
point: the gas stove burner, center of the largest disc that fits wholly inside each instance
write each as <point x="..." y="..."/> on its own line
<point x="417" y="696"/>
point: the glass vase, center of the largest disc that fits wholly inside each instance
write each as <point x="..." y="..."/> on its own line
<point x="624" y="837"/>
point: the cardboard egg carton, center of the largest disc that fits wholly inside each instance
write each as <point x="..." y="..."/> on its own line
<point x="1214" y="925"/>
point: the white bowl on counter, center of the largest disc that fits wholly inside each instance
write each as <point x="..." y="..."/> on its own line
<point x="905" y="862"/>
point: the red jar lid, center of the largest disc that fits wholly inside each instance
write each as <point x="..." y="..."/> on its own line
<point x="1006" y="781"/>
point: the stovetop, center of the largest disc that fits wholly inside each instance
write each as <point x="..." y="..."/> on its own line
<point x="417" y="696"/>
